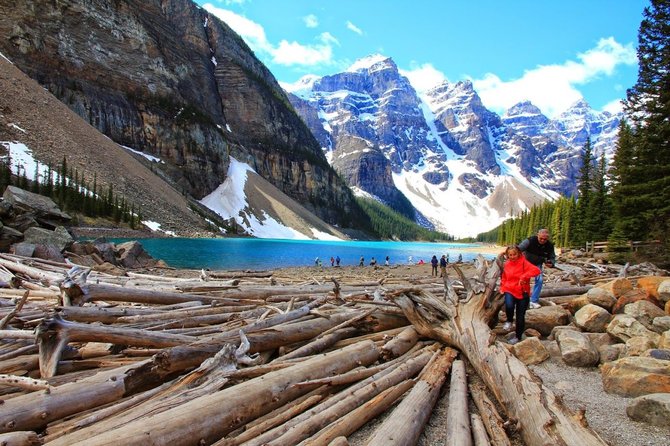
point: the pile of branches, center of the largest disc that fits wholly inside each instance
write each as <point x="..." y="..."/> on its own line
<point x="253" y="359"/>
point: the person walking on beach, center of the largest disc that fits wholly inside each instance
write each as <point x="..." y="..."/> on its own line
<point x="443" y="266"/>
<point x="332" y="261"/>
<point x="409" y="260"/>
<point x="387" y="262"/>
<point x="515" y="284"/>
<point x="316" y="262"/>
<point x="433" y="263"/>
<point x="373" y="262"/>
<point x="337" y="261"/>
<point x="362" y="261"/>
<point x="539" y="251"/>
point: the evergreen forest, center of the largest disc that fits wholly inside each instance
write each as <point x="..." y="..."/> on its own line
<point x="629" y="199"/>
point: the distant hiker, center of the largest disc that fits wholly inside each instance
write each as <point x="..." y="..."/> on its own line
<point x="515" y="284"/>
<point x="447" y="258"/>
<point x="373" y="262"/>
<point x="332" y="261"/>
<point x="337" y="260"/>
<point x="433" y="263"/>
<point x="539" y="251"/>
<point x="362" y="261"/>
<point x="409" y="260"/>
<point x="460" y="258"/>
<point x="443" y="266"/>
<point x="316" y="262"/>
<point x="387" y="261"/>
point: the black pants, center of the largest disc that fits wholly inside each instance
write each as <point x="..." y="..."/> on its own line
<point x="521" y="305"/>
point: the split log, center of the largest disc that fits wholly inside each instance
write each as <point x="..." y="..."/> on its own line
<point x="321" y="417"/>
<point x="415" y="364"/>
<point x="321" y="343"/>
<point x="354" y="420"/>
<point x="490" y="417"/>
<point x="458" y="419"/>
<point x="21" y="438"/>
<point x="564" y="291"/>
<point x="210" y="417"/>
<point x="19" y="305"/>
<point x="405" y="424"/>
<point x="479" y="436"/>
<point x="400" y="344"/>
<point x="24" y="383"/>
<point x="464" y="324"/>
<point x="77" y="295"/>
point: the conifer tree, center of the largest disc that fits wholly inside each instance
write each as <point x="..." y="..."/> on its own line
<point x="647" y="105"/>
<point x="582" y="226"/>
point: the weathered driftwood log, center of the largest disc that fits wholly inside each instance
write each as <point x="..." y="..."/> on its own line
<point x="75" y="294"/>
<point x="349" y="423"/>
<point x="55" y="333"/>
<point x="564" y="291"/>
<point x="321" y="343"/>
<point x="21" y="438"/>
<point x="492" y="420"/>
<point x="23" y="382"/>
<point x="271" y="435"/>
<point x="400" y="344"/>
<point x="464" y="324"/>
<point x="210" y="417"/>
<point x="34" y="273"/>
<point x="405" y="424"/>
<point x="322" y="417"/>
<point x="458" y="419"/>
<point x="479" y="436"/>
<point x="19" y="305"/>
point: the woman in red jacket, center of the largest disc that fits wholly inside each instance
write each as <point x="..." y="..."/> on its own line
<point x="515" y="283"/>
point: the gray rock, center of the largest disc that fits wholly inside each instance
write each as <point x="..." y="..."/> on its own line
<point x="28" y="202"/>
<point x="592" y="318"/>
<point x="644" y="311"/>
<point x="59" y="237"/>
<point x="664" y="291"/>
<point x="623" y="327"/>
<point x="661" y="324"/>
<point x="651" y="409"/>
<point x="637" y="345"/>
<point x="576" y="349"/>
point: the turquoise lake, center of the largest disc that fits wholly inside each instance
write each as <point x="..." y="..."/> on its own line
<point x="260" y="254"/>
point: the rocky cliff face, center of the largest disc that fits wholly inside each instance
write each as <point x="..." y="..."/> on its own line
<point x="166" y="78"/>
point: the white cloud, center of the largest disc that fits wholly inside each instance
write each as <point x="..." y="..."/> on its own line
<point x="424" y="77"/>
<point x="553" y="88"/>
<point x="285" y="53"/>
<point x="311" y="21"/>
<point x="354" y="28"/>
<point x="614" y="106"/>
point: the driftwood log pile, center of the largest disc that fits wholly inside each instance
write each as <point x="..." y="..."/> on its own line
<point x="253" y="359"/>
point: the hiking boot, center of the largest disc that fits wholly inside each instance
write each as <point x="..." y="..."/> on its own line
<point x="534" y="305"/>
<point x="507" y="326"/>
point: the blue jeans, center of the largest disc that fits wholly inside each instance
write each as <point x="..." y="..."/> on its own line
<point x="537" y="287"/>
<point x="520" y="305"/>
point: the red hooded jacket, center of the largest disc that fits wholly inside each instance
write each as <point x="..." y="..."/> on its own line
<point x="515" y="271"/>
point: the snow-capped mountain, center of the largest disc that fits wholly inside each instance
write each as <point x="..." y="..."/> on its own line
<point x="461" y="166"/>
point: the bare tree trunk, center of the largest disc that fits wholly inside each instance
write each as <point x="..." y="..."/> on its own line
<point x="490" y="417"/>
<point x="458" y="419"/>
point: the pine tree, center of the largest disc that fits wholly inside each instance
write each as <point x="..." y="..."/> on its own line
<point x="582" y="226"/>
<point x="647" y="105"/>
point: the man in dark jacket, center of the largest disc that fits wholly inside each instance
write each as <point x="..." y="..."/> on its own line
<point x="539" y="251"/>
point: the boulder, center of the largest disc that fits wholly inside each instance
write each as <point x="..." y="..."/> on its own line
<point x="107" y="251"/>
<point x="651" y="283"/>
<point x="651" y="409"/>
<point x="637" y="345"/>
<point x="42" y="207"/>
<point x="48" y="252"/>
<point x="576" y="349"/>
<point x="661" y="324"/>
<point x="664" y="341"/>
<point x="658" y="353"/>
<point x="664" y="291"/>
<point x="623" y="327"/>
<point x="636" y="375"/>
<point x="616" y="287"/>
<point x="552" y="348"/>
<point x="547" y="317"/>
<point x="24" y="249"/>
<point x="644" y="311"/>
<point x="132" y="255"/>
<point x="592" y="318"/>
<point x="601" y="297"/>
<point x="609" y="353"/>
<point x="555" y="330"/>
<point x="631" y="297"/>
<point x="530" y="351"/>
<point x="108" y="268"/>
<point x="59" y="237"/>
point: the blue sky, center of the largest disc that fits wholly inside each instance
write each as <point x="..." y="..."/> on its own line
<point x="552" y="53"/>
